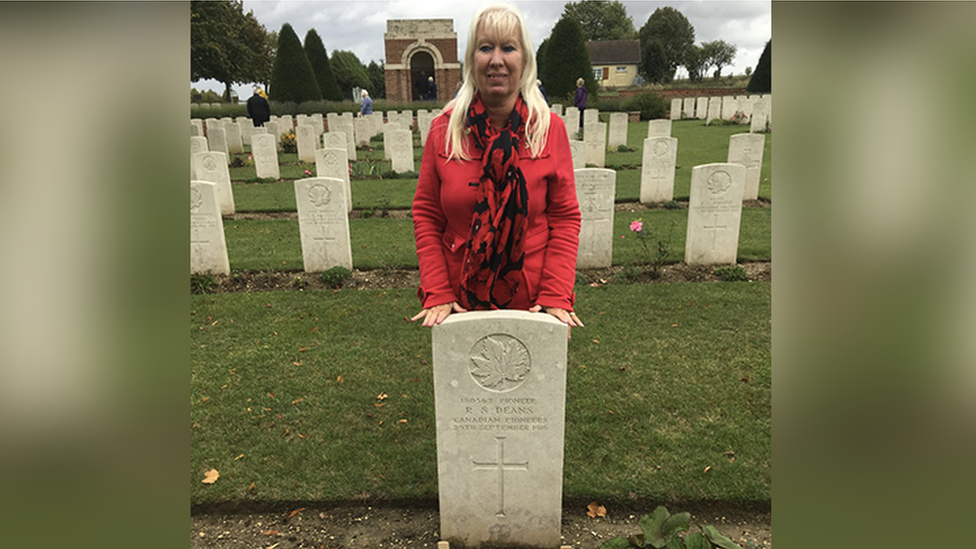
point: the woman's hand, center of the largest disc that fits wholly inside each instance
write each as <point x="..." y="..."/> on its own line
<point x="436" y="314"/>
<point x="562" y="315"/>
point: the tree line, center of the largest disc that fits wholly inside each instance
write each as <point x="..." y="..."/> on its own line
<point x="232" y="47"/>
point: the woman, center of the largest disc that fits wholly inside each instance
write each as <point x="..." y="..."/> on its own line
<point x="497" y="229"/>
<point x="580" y="99"/>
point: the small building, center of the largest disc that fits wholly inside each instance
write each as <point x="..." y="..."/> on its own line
<point x="417" y="49"/>
<point x="615" y="62"/>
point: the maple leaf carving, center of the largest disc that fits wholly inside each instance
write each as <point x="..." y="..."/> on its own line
<point x="499" y="363"/>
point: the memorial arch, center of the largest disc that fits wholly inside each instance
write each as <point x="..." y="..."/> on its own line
<point x="417" y="49"/>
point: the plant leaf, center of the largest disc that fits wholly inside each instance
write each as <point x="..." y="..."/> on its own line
<point x="594" y="510"/>
<point x="616" y="543"/>
<point x="718" y="539"/>
<point x="652" y="526"/>
<point x="676" y="523"/>
<point x="676" y="543"/>
<point x="210" y="476"/>
<point x="697" y="541"/>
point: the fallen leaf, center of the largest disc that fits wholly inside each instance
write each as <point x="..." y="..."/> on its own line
<point x="339" y="379"/>
<point x="302" y="349"/>
<point x="709" y="468"/>
<point x="381" y="396"/>
<point x="295" y="512"/>
<point x="403" y="421"/>
<point x="271" y="395"/>
<point x="623" y="368"/>
<point x="214" y="323"/>
<point x="205" y="399"/>
<point x="597" y="341"/>
<point x="380" y="404"/>
<point x="595" y="510"/>
<point x="251" y="487"/>
<point x="297" y="400"/>
<point x="301" y="435"/>
<point x="269" y="532"/>
<point x="594" y="285"/>
<point x="238" y="457"/>
<point x="675" y="325"/>
<point x="268" y="305"/>
<point x="296" y="363"/>
<point x="315" y="329"/>
<point x="611" y="412"/>
<point x="210" y="476"/>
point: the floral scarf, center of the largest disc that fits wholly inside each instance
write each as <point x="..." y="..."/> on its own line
<point x="491" y="274"/>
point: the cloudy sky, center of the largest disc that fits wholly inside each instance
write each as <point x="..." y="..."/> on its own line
<point x="358" y="26"/>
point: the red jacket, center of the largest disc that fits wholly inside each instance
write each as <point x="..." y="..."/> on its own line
<point x="444" y="204"/>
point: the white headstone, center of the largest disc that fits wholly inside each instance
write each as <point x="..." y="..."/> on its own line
<point x="306" y="139"/>
<point x="714" y="109"/>
<point x="760" y="115"/>
<point x="595" y="136"/>
<point x="345" y="126"/>
<point x="688" y="107"/>
<point x="595" y="190"/>
<point x="334" y="163"/>
<point x="208" y="249"/>
<point x="676" y="108"/>
<point x="286" y="124"/>
<point x="500" y="402"/>
<point x="659" y="128"/>
<point x="701" y="108"/>
<point x="198" y="144"/>
<point x="618" y="130"/>
<point x="217" y="141"/>
<point x="657" y="169"/>
<point x="745" y="105"/>
<point x="747" y="149"/>
<point x="387" y="143"/>
<point x="590" y="116"/>
<point x="729" y="107"/>
<point x="406" y="118"/>
<point x="578" y="148"/>
<point x="272" y="129"/>
<point x="196" y="128"/>
<point x="264" y="149"/>
<point x="247" y="128"/>
<point x="212" y="166"/>
<point x="318" y="123"/>
<point x="335" y="140"/>
<point x="401" y="143"/>
<point x="323" y="223"/>
<point x="572" y="120"/>
<point x="423" y="124"/>
<point x="556" y="108"/>
<point x="362" y="129"/>
<point x="235" y="141"/>
<point x="714" y="214"/>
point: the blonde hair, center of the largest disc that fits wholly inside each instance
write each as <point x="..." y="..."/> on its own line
<point x="506" y="20"/>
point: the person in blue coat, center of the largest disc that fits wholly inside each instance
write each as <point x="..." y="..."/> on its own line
<point x="367" y="105"/>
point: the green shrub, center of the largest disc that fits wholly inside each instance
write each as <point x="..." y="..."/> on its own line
<point x="650" y="104"/>
<point x="292" y="78"/>
<point x="672" y="205"/>
<point x="731" y="273"/>
<point x="660" y="530"/>
<point x="336" y="277"/>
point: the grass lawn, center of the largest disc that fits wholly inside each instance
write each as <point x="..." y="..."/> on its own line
<point x="663" y="382"/>
<point x="389" y="243"/>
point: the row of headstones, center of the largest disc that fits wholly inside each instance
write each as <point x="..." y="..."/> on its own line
<point x="714" y="214"/>
<point x="211" y="166"/>
<point x="660" y="156"/>
<point x="757" y="110"/>
<point x="323" y="220"/>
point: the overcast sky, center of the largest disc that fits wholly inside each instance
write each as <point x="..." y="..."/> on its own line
<point x="358" y="26"/>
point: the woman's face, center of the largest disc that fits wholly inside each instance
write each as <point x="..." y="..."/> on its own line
<point x="498" y="66"/>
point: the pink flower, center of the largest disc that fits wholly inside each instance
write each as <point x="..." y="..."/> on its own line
<point x="308" y="172"/>
<point x="637" y="226"/>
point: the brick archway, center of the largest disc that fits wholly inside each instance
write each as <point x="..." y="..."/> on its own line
<point x="415" y="50"/>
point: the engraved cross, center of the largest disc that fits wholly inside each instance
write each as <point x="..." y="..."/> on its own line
<point x="715" y="227"/>
<point x="501" y="466"/>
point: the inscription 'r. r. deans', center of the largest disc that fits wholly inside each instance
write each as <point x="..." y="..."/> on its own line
<point x="499" y="363"/>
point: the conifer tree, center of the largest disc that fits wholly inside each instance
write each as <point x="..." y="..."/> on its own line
<point x="566" y="60"/>
<point x="292" y="78"/>
<point x="319" y="59"/>
<point x="762" y="79"/>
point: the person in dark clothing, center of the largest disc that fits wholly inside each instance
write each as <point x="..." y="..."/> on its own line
<point x="431" y="89"/>
<point x="580" y="100"/>
<point x="258" y="108"/>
